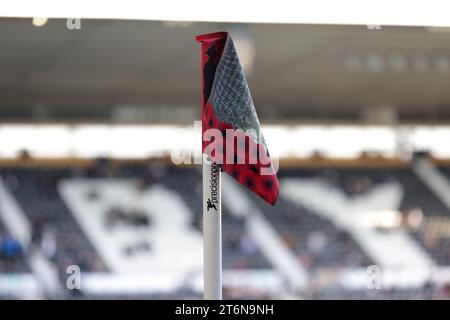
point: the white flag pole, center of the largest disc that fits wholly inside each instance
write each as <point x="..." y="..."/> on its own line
<point x="212" y="231"/>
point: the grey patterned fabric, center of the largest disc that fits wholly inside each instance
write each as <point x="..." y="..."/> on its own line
<point x="230" y="96"/>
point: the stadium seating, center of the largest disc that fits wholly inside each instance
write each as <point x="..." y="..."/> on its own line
<point x="36" y="191"/>
<point x="12" y="254"/>
<point x="318" y="243"/>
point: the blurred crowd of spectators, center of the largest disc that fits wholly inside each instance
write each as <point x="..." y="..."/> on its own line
<point x="321" y="247"/>
<point x="12" y="254"/>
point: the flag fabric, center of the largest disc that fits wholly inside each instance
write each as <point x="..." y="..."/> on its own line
<point x="227" y="107"/>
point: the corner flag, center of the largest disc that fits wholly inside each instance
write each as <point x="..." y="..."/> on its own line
<point x="232" y="135"/>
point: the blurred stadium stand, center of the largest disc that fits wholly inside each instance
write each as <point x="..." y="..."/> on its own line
<point x="328" y="252"/>
<point x="88" y="118"/>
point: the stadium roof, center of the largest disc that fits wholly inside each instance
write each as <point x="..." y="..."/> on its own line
<point x="118" y="70"/>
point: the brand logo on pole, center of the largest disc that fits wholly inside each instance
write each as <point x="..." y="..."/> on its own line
<point x="210" y="205"/>
<point x="213" y="199"/>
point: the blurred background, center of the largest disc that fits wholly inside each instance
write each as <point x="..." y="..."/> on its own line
<point x="95" y="203"/>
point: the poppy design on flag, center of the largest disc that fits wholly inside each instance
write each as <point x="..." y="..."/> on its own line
<point x="227" y="104"/>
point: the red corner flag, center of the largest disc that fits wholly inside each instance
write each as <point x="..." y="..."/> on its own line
<point x="232" y="134"/>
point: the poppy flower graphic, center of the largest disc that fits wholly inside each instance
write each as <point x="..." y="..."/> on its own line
<point x="209" y="110"/>
<point x="267" y="188"/>
<point x="240" y="147"/>
<point x="255" y="168"/>
<point x="234" y="170"/>
<point x="210" y="120"/>
<point x="249" y="179"/>
<point x="224" y="127"/>
<point x="217" y="153"/>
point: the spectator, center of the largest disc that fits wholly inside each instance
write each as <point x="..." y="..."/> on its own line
<point x="317" y="240"/>
<point x="49" y="244"/>
<point x="248" y="246"/>
<point x="38" y="227"/>
<point x="10" y="248"/>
